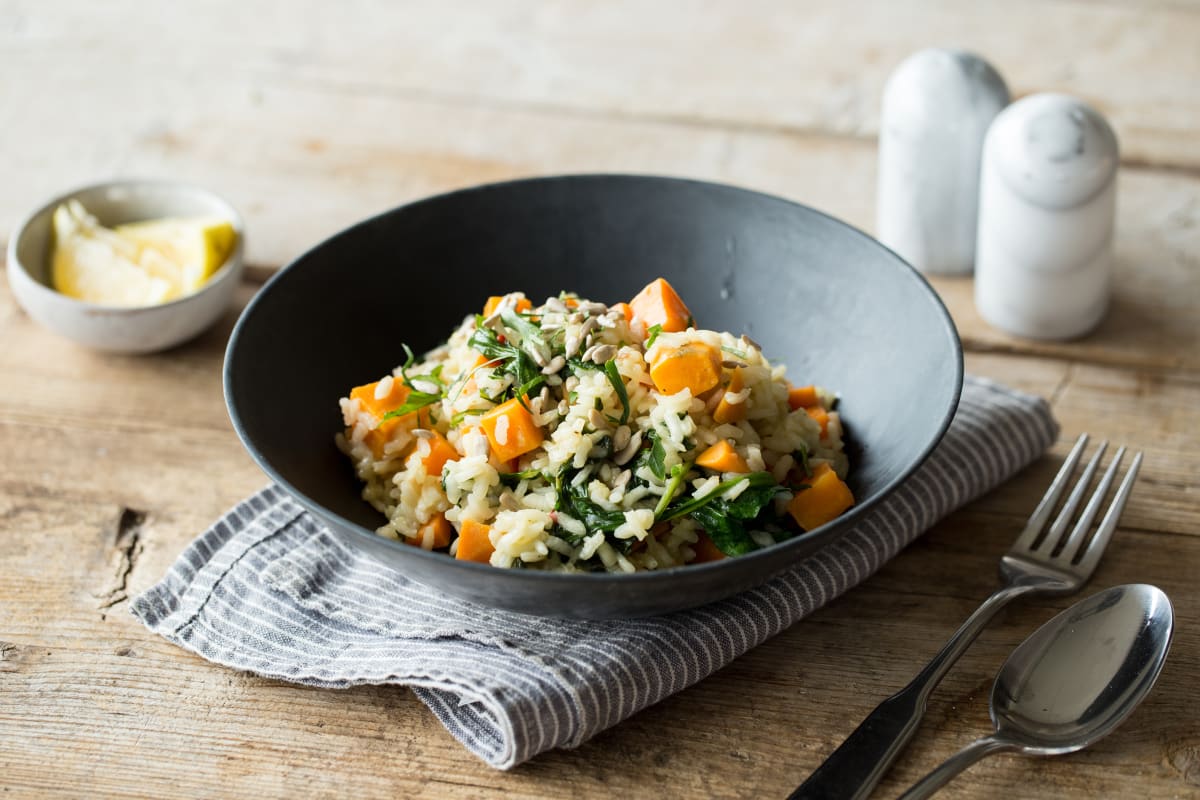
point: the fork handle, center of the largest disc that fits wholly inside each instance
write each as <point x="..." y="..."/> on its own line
<point x="854" y="769"/>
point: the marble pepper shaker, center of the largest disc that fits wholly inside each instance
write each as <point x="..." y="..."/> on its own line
<point x="1046" y="211"/>
<point x="937" y="107"/>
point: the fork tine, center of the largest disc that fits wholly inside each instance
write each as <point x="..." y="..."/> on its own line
<point x="1091" y="556"/>
<point x="1073" y="500"/>
<point x="1037" y="520"/>
<point x="1071" y="546"/>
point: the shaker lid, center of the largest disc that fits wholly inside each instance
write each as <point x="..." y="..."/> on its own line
<point x="1053" y="150"/>
<point x="943" y="85"/>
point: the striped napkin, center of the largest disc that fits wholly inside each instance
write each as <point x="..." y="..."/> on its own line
<point x="267" y="589"/>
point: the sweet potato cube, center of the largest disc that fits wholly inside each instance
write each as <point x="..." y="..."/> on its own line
<point x="440" y="451"/>
<point x="802" y="397"/>
<point x="625" y="309"/>
<point x="493" y="303"/>
<point x="706" y="550"/>
<point x="826" y="498"/>
<point x="694" y="365"/>
<point x="821" y="416"/>
<point x="511" y="430"/>
<point x="474" y="542"/>
<point x="433" y="535"/>
<point x="727" y="412"/>
<point x="659" y="304"/>
<point x="378" y="407"/>
<point x="721" y="457"/>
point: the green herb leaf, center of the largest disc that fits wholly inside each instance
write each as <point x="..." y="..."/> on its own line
<point x="677" y="473"/>
<point x="458" y="418"/>
<point x="652" y="334"/>
<point x="727" y="533"/>
<point x="576" y="365"/>
<point x="511" y="479"/>
<point x="415" y="402"/>
<point x="614" y="377"/>
<point x="654" y="456"/>
<point x="757" y="480"/>
<point x="574" y="500"/>
<point x="801" y="456"/>
<point x="527" y="332"/>
<point x="725" y="520"/>
<point x="735" y="352"/>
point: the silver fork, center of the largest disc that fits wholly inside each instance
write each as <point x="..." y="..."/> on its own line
<point x="1035" y="564"/>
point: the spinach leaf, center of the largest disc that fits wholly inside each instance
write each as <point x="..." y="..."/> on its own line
<point x="511" y="479"/>
<point x="576" y="365"/>
<point x="614" y="377"/>
<point x="677" y="473"/>
<point x="512" y="360"/>
<point x="725" y="520"/>
<point x="575" y="501"/>
<point x="654" y="456"/>
<point x="758" y="481"/>
<point x="485" y="341"/>
<point x="527" y="332"/>
<point x="727" y="533"/>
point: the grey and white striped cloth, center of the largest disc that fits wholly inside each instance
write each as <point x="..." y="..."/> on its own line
<point x="267" y="589"/>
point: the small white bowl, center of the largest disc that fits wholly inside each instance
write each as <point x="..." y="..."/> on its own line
<point x="139" y="329"/>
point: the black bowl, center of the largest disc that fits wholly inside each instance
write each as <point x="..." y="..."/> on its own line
<point x="830" y="302"/>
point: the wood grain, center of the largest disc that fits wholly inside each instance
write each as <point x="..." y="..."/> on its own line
<point x="312" y="116"/>
<point x="748" y="65"/>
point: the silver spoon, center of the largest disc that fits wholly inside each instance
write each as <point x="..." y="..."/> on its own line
<point x="1073" y="681"/>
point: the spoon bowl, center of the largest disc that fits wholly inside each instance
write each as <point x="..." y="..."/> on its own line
<point x="1074" y="680"/>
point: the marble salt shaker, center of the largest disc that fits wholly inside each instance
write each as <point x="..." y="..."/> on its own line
<point x="937" y="107"/>
<point x="1046" y="211"/>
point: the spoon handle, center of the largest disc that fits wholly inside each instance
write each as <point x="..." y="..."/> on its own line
<point x="853" y="770"/>
<point x="953" y="765"/>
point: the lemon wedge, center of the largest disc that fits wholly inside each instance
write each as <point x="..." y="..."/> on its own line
<point x="188" y="250"/>
<point x="140" y="263"/>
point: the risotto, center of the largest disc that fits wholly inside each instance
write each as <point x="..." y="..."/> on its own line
<point x="576" y="436"/>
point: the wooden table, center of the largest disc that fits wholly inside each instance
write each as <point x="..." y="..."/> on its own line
<point x="312" y="115"/>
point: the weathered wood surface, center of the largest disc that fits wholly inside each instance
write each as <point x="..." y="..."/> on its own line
<point x="312" y="117"/>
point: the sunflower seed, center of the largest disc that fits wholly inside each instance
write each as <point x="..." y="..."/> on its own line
<point x="556" y="305"/>
<point x="591" y="308"/>
<point x="621" y="437"/>
<point x="733" y="364"/>
<point x="629" y="451"/>
<point x="589" y="325"/>
<point x="622" y="479"/>
<point x="596" y="419"/>
<point x="556" y="363"/>
<point x="572" y="344"/>
<point x="600" y="353"/>
<point x="751" y="342"/>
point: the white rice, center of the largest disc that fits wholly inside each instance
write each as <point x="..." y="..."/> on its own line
<point x="579" y="412"/>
